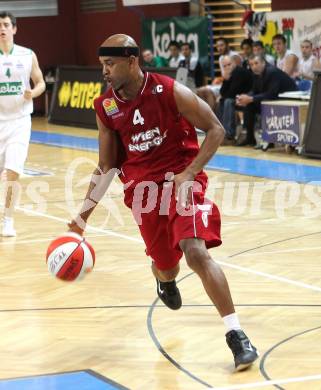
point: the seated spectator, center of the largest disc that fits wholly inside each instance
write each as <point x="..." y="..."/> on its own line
<point x="258" y="50"/>
<point x="307" y="62"/>
<point x="175" y="54"/>
<point x="223" y="49"/>
<point x="211" y="93"/>
<point x="247" y="51"/>
<point x="191" y="62"/>
<point x="236" y="80"/>
<point x="286" y="59"/>
<point x="153" y="61"/>
<point x="268" y="82"/>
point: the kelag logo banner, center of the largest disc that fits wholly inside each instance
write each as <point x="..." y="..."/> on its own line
<point x="157" y="33"/>
<point x="75" y="90"/>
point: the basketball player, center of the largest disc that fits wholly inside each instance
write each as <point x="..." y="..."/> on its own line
<point x="153" y="118"/>
<point x="17" y="65"/>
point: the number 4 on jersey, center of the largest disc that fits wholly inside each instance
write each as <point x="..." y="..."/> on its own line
<point x="138" y="119"/>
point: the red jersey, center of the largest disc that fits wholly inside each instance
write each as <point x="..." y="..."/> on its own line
<point x="155" y="137"/>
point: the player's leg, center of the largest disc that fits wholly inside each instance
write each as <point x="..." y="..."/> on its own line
<point x="194" y="234"/>
<point x="11" y="193"/>
<point x="165" y="260"/>
<point x="167" y="289"/>
<point x="14" y="161"/>
<point x="165" y="275"/>
<point x="216" y="287"/>
<point x="213" y="278"/>
<point x="16" y="151"/>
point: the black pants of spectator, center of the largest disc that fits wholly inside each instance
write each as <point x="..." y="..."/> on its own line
<point x="250" y="112"/>
<point x="226" y="114"/>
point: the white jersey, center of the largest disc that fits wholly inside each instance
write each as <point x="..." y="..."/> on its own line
<point x="307" y="66"/>
<point x="280" y="62"/>
<point x="15" y="72"/>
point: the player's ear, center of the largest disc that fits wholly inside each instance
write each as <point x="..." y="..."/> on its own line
<point x="132" y="60"/>
<point x="14" y="30"/>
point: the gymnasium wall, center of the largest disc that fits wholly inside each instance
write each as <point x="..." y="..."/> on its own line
<point x="93" y="28"/>
<point x="73" y="37"/>
<point x="294" y="4"/>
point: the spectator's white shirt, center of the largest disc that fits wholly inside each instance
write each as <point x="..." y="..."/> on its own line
<point x="307" y="66"/>
<point x="280" y="62"/>
<point x="270" y="59"/>
<point x="174" y="61"/>
<point x="191" y="62"/>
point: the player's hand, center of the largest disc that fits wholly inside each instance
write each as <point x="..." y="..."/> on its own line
<point x="27" y="94"/>
<point x="183" y="188"/>
<point x="75" y="228"/>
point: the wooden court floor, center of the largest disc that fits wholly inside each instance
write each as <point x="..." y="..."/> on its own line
<point x="111" y="321"/>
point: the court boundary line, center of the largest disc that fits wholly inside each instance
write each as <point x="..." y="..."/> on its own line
<point x="12" y="240"/>
<point x="268" y="352"/>
<point x="271" y="382"/>
<point x="229" y="265"/>
<point x="161" y="306"/>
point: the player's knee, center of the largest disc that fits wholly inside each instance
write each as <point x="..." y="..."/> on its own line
<point x="196" y="258"/>
<point x="11" y="176"/>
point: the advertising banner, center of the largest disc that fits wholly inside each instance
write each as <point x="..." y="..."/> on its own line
<point x="75" y="89"/>
<point x="280" y="124"/>
<point x="295" y="26"/>
<point x="157" y="33"/>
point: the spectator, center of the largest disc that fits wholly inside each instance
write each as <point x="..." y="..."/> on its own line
<point x="286" y="59"/>
<point x="307" y="62"/>
<point x="258" y="49"/>
<point x="211" y="93"/>
<point x="153" y="61"/>
<point x="175" y="54"/>
<point x="237" y="80"/>
<point x="223" y="49"/>
<point x="268" y="82"/>
<point x="247" y="51"/>
<point x="191" y="62"/>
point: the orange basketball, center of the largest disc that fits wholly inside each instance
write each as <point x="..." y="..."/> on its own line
<point x="70" y="257"/>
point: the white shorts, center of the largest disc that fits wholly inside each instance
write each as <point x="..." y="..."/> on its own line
<point x="14" y="143"/>
<point x="215" y="89"/>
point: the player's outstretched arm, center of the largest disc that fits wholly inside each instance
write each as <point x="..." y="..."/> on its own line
<point x="101" y="178"/>
<point x="200" y="115"/>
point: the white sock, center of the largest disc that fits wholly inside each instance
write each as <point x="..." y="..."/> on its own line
<point x="232" y="322"/>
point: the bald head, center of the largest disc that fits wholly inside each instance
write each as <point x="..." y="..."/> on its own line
<point x="119" y="56"/>
<point x="228" y="65"/>
<point x="228" y="60"/>
<point x="119" y="40"/>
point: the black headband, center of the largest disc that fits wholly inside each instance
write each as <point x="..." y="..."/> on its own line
<point x="105" y="51"/>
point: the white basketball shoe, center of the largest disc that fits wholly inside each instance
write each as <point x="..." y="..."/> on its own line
<point x="8" y="229"/>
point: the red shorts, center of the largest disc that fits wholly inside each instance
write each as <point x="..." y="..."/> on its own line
<point x="162" y="228"/>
